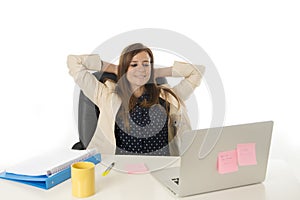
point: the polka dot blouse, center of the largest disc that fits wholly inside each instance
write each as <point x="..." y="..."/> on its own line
<point x="148" y="130"/>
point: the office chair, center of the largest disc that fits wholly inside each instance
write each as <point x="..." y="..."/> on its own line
<point x="88" y="112"/>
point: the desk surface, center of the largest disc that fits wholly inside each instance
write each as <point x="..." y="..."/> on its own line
<point x="279" y="184"/>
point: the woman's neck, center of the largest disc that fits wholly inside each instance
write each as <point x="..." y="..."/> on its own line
<point x="139" y="91"/>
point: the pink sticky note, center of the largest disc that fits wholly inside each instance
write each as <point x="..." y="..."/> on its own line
<point x="136" y="168"/>
<point x="227" y="162"/>
<point x="246" y="154"/>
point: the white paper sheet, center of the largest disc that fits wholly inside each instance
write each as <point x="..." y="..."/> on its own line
<point x="49" y="162"/>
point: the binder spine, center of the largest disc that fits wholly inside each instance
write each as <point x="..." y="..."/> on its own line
<point x="65" y="174"/>
<point x="58" y="178"/>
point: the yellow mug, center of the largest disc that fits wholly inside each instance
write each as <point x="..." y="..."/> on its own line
<point x="83" y="179"/>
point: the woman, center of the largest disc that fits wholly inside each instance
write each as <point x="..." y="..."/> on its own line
<point x="136" y="115"/>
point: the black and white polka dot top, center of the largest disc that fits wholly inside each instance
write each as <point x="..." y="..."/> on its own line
<point x="148" y="130"/>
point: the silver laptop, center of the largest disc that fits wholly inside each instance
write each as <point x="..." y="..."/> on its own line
<point x="200" y="174"/>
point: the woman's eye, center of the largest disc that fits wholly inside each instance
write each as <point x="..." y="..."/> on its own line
<point x="144" y="65"/>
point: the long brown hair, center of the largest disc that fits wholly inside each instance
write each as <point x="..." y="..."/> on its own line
<point x="123" y="88"/>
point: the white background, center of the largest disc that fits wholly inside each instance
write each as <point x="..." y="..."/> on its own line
<point x="254" y="45"/>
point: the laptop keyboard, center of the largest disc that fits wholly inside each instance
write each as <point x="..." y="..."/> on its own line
<point x="175" y="180"/>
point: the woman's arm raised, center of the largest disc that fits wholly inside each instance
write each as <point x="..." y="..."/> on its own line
<point x="192" y="78"/>
<point x="79" y="66"/>
<point x="162" y="72"/>
<point x="109" y="67"/>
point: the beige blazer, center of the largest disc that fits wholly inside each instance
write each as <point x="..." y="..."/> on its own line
<point x="105" y="97"/>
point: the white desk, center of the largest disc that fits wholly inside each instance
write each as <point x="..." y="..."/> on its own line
<point x="280" y="184"/>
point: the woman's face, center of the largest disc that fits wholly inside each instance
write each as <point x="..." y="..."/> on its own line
<point x="139" y="70"/>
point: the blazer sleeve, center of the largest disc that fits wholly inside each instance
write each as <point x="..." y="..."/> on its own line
<point x="79" y="66"/>
<point x="192" y="78"/>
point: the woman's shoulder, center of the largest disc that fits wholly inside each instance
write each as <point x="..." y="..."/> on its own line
<point x="167" y="95"/>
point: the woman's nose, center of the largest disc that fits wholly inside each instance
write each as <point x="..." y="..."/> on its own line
<point x="141" y="68"/>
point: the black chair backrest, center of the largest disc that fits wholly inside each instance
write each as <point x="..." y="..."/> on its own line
<point x="88" y="112"/>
